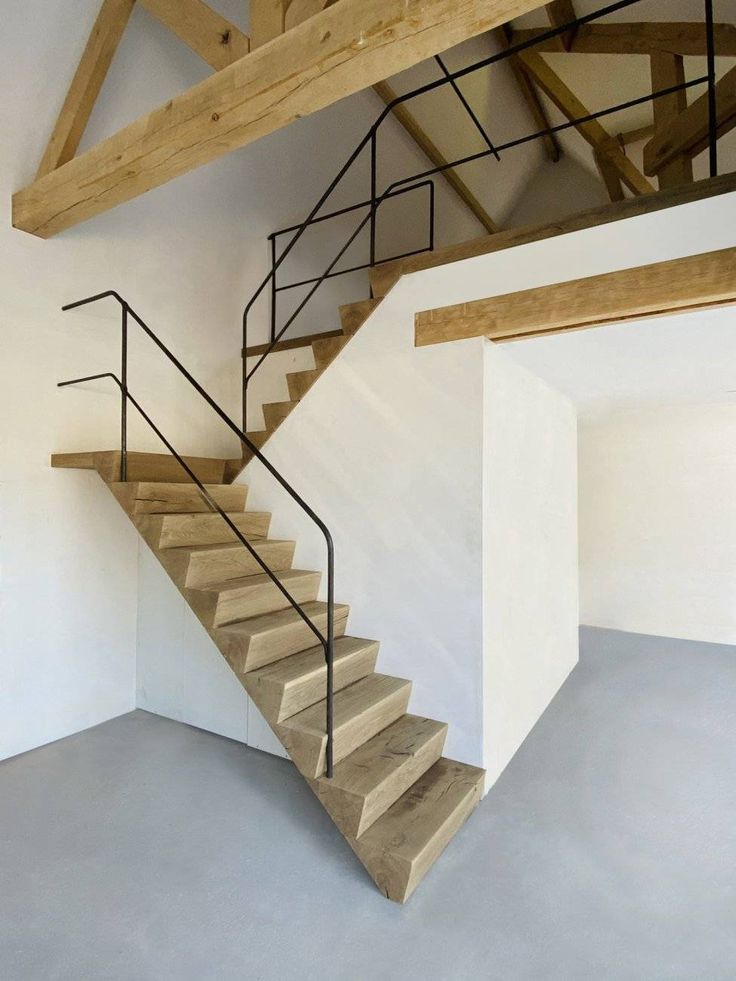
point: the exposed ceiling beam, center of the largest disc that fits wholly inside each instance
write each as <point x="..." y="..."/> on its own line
<point x="194" y="22"/>
<point x="609" y="175"/>
<point x="530" y="95"/>
<point x="591" y="131"/>
<point x="687" y="134"/>
<point x="429" y="148"/>
<point x="668" y="70"/>
<point x="341" y="50"/>
<point x="562" y="12"/>
<point x="677" y="38"/>
<point x="86" y="84"/>
<point x="677" y="285"/>
<point x="267" y="20"/>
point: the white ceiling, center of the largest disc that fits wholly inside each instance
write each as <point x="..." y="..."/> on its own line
<point x="685" y="359"/>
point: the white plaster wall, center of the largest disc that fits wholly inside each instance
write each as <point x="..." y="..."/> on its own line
<point x="530" y="556"/>
<point x="658" y="522"/>
<point x="387" y="446"/>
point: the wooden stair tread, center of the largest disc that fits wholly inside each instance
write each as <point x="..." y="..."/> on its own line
<point x="252" y="643"/>
<point x="368" y="781"/>
<point x="234" y="600"/>
<point x="149" y="497"/>
<point x="354" y="315"/>
<point x="286" y="687"/>
<point x="290" y="343"/>
<point x="360" y="711"/>
<point x="197" y="566"/>
<point x="197" y="528"/>
<point x="143" y="466"/>
<point x="401" y="846"/>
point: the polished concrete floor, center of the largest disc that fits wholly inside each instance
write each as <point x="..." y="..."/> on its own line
<point x="144" y="849"/>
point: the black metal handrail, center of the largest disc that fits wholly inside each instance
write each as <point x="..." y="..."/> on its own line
<point x="375" y="200"/>
<point x="327" y="642"/>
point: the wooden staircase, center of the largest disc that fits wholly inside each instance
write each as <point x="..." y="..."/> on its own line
<point x="325" y="348"/>
<point x="394" y="797"/>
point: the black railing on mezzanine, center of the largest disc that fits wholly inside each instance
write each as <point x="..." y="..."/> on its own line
<point x="375" y="200"/>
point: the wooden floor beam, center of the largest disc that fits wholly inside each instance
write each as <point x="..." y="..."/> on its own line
<point x="343" y="49"/>
<point x="692" y="283"/>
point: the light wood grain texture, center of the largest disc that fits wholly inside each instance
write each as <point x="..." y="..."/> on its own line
<point x="267" y="20"/>
<point x="371" y="779"/>
<point x="214" y="38"/>
<point x="609" y="176"/>
<point x="251" y="596"/>
<point x="86" y="84"/>
<point x="403" y="114"/>
<point x="384" y="276"/>
<point x="354" y="315"/>
<point x="691" y="283"/>
<point x="204" y="565"/>
<point x="286" y="687"/>
<point x="591" y="131"/>
<point x="251" y="644"/>
<point x="162" y="498"/>
<point x="177" y="530"/>
<point x="274" y="413"/>
<point x="681" y="38"/>
<point x="667" y="71"/>
<point x="143" y="466"/>
<point x="687" y="134"/>
<point x="299" y="382"/>
<point x="529" y="94"/>
<point x="344" y="49"/>
<point x="361" y="711"/>
<point x="400" y="848"/>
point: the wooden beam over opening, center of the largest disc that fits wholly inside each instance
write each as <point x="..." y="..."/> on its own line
<point x="687" y="134"/>
<point x="626" y="39"/>
<point x="86" y="84"/>
<point x="212" y="37"/>
<point x="592" y="131"/>
<point x="344" y="49"/>
<point x="429" y="148"/>
<point x="675" y="286"/>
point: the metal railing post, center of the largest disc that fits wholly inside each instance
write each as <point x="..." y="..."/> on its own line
<point x="330" y="656"/>
<point x="711" y="73"/>
<point x="374" y="183"/>
<point x="273" y="288"/>
<point x="124" y="394"/>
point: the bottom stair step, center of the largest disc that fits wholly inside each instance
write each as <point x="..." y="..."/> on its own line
<point x="366" y="783"/>
<point x="289" y="686"/>
<point x="360" y="711"/>
<point x="400" y="848"/>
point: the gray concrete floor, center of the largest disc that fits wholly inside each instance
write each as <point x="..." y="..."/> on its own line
<point x="144" y="849"/>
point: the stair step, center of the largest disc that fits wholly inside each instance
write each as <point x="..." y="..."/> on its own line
<point x="198" y="566"/>
<point x="144" y="466"/>
<point x="178" y="530"/>
<point x="286" y="687"/>
<point x="325" y="351"/>
<point x="400" y="848"/>
<point x="251" y="596"/>
<point x="366" y="783"/>
<point x="274" y="413"/>
<point x="360" y="711"/>
<point x="299" y="382"/>
<point x="354" y="315"/>
<point x="148" y="497"/>
<point x="249" y="644"/>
